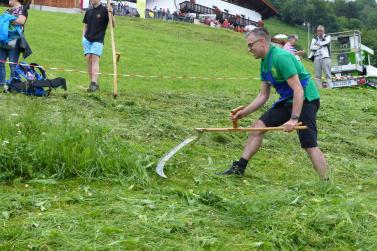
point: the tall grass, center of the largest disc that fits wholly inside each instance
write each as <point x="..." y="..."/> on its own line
<point x="36" y="143"/>
<point x="78" y="173"/>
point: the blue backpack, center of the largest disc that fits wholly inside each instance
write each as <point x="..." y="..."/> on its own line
<point x="31" y="79"/>
<point x="25" y="73"/>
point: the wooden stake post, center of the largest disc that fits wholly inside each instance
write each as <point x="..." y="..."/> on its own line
<point x="115" y="58"/>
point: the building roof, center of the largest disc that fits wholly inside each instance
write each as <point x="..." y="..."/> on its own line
<point x="263" y="7"/>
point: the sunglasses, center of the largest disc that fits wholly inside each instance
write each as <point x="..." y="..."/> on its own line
<point x="250" y="45"/>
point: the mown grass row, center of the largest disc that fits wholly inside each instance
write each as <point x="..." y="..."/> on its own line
<point x="84" y="175"/>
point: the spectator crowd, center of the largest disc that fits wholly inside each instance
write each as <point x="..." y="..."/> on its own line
<point x="233" y="22"/>
<point x="218" y="20"/>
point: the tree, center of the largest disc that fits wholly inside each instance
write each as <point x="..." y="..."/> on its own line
<point x="293" y="11"/>
<point x="321" y="12"/>
<point x="277" y="4"/>
<point x="368" y="38"/>
<point x="354" y="24"/>
<point x="340" y="7"/>
<point x="368" y="16"/>
<point x="351" y="10"/>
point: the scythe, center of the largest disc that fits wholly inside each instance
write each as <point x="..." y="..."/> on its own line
<point x="161" y="163"/>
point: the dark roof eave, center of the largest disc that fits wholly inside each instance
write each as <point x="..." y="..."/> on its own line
<point x="271" y="7"/>
<point x="268" y="15"/>
<point x="265" y="9"/>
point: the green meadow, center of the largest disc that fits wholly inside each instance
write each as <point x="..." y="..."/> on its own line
<point x="78" y="172"/>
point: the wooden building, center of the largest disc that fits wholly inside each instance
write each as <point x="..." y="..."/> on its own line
<point x="59" y="3"/>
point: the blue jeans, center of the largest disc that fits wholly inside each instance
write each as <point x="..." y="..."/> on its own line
<point x="13" y="56"/>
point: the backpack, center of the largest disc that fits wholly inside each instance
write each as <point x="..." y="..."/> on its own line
<point x="31" y="79"/>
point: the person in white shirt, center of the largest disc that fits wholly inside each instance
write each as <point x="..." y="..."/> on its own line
<point x="320" y="48"/>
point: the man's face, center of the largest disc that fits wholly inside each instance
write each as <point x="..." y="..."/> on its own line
<point x="94" y="2"/>
<point x="256" y="46"/>
<point x="320" y="31"/>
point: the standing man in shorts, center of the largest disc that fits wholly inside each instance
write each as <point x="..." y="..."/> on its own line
<point x="299" y="101"/>
<point x="95" y="25"/>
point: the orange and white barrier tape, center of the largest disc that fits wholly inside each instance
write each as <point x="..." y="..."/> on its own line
<point x="134" y="75"/>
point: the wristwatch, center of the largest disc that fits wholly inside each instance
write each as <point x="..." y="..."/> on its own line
<point x="295" y="117"/>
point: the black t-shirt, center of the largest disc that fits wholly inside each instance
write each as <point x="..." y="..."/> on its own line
<point x="96" y="20"/>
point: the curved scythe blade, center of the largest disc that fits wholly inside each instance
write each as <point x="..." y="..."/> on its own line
<point x="167" y="156"/>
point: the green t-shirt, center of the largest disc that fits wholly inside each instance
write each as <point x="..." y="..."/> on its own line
<point x="284" y="66"/>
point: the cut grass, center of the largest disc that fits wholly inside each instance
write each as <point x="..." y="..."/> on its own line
<point x="78" y="173"/>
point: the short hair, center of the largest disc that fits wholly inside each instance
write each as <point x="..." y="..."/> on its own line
<point x="320" y="26"/>
<point x="293" y="36"/>
<point x="260" y="33"/>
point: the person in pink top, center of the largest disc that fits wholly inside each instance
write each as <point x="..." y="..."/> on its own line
<point x="226" y="23"/>
<point x="290" y="46"/>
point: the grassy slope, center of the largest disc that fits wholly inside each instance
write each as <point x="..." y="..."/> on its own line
<point x="113" y="145"/>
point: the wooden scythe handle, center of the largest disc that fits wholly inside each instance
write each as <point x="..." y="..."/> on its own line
<point x="234" y="111"/>
<point x="265" y="129"/>
<point x="113" y="50"/>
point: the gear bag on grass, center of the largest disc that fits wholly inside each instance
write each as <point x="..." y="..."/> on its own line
<point x="31" y="79"/>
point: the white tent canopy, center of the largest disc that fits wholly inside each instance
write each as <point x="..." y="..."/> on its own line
<point x="281" y="36"/>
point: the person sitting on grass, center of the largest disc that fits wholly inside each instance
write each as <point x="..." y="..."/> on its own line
<point x="95" y="22"/>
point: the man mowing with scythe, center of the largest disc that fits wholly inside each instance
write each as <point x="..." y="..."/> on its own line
<point x="299" y="101"/>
